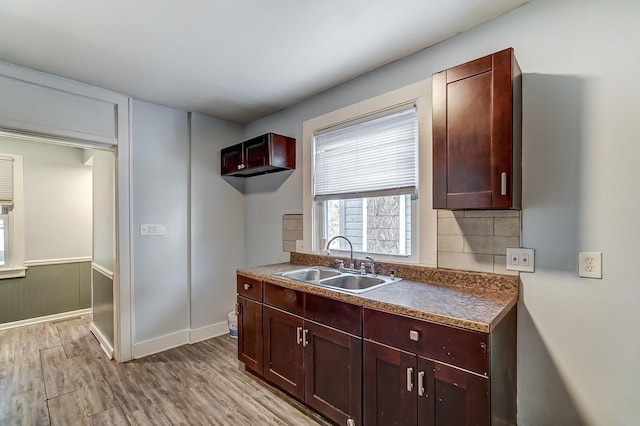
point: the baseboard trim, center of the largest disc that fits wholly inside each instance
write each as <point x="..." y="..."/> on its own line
<point x="207" y="332"/>
<point x="31" y="321"/>
<point x="104" y="342"/>
<point x="160" y="344"/>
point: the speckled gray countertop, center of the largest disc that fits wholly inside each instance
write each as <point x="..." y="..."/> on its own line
<point x="467" y="300"/>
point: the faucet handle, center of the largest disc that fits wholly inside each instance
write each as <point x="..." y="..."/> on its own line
<point x="340" y="263"/>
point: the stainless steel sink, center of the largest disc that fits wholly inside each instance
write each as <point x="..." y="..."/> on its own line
<point x="311" y="274"/>
<point x="355" y="283"/>
<point x="335" y="279"/>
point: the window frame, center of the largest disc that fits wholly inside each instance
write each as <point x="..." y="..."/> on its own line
<point x="14" y="266"/>
<point x="424" y="218"/>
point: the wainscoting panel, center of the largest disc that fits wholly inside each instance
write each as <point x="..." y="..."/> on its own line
<point x="46" y="290"/>
<point x="103" y="302"/>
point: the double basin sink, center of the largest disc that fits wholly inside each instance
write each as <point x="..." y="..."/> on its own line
<point x="332" y="278"/>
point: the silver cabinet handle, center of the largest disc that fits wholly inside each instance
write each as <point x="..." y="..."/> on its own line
<point x="305" y="337"/>
<point x="351" y="422"/>
<point x="409" y="379"/>
<point x="298" y="335"/>
<point x="241" y="166"/>
<point x="237" y="308"/>
<point x="503" y="183"/>
<point x="247" y="286"/>
<point x="421" y="383"/>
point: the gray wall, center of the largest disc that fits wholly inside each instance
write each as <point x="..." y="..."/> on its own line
<point x="217" y="223"/>
<point x="46" y="290"/>
<point x="160" y="147"/>
<point x="577" y="354"/>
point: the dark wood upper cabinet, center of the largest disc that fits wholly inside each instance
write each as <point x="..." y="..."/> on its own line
<point x="477" y="134"/>
<point x="268" y="153"/>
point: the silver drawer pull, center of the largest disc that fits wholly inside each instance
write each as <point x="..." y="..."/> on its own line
<point x="421" y="383"/>
<point x="241" y="166"/>
<point x="409" y="379"/>
<point x="298" y="336"/>
<point x="305" y="337"/>
<point x="414" y="335"/>
<point x="503" y="183"/>
<point x="247" y="286"/>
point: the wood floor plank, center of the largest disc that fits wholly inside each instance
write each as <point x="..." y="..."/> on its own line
<point x="29" y="409"/>
<point x="57" y="372"/>
<point x="111" y="417"/>
<point x="93" y="389"/>
<point x="67" y="410"/>
<point x="75" y="383"/>
<point x="47" y="336"/>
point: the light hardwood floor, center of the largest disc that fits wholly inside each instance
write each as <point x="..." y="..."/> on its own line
<point x="55" y="373"/>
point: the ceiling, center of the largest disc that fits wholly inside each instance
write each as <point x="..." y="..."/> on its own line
<point x="237" y="60"/>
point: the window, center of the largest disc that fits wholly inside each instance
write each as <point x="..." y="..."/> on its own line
<point x="11" y="219"/>
<point x="365" y="175"/>
<point x="421" y="221"/>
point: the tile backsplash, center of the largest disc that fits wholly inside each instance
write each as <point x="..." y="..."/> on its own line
<point x="291" y="231"/>
<point x="477" y="240"/>
<point x="467" y="240"/>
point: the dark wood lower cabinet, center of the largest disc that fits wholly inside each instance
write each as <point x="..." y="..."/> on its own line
<point x="318" y="365"/>
<point x="386" y="398"/>
<point x="250" y="334"/>
<point x="402" y="388"/>
<point x="367" y="367"/>
<point x="283" y="350"/>
<point x="333" y="373"/>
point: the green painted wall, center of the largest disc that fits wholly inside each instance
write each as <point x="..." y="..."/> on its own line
<point x="103" y="304"/>
<point x="46" y="290"/>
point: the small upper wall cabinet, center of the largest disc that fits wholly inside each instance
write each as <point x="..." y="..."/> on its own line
<point x="477" y="134"/>
<point x="263" y="154"/>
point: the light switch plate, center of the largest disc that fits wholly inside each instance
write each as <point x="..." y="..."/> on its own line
<point x="148" y="229"/>
<point x="520" y="259"/>
<point x="590" y="264"/>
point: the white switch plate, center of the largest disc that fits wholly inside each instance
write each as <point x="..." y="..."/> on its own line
<point x="152" y="229"/>
<point x="299" y="246"/>
<point x="520" y="259"/>
<point x="590" y="264"/>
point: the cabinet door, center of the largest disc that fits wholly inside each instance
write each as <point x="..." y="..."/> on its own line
<point x="256" y="152"/>
<point x="333" y="373"/>
<point x="461" y="397"/>
<point x="389" y="386"/>
<point x="473" y="134"/>
<point x="425" y="385"/>
<point x="283" y="350"/>
<point x="231" y="159"/>
<point x="250" y="334"/>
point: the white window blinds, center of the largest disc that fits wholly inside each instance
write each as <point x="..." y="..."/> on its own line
<point x="375" y="156"/>
<point x="6" y="181"/>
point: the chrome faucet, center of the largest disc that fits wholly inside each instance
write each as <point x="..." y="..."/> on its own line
<point x="351" y="264"/>
<point x="372" y="264"/>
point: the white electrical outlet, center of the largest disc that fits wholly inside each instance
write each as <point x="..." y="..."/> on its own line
<point x="590" y="264"/>
<point x="520" y="259"/>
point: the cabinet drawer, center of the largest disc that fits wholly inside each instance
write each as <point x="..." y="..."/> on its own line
<point x="248" y="287"/>
<point x="334" y="313"/>
<point x="462" y="348"/>
<point x="284" y="298"/>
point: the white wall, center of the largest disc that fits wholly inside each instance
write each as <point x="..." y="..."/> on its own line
<point x="160" y="157"/>
<point x="217" y="224"/>
<point x="58" y="199"/>
<point x="578" y="349"/>
<point x="103" y="208"/>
